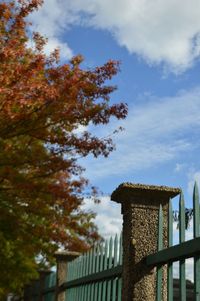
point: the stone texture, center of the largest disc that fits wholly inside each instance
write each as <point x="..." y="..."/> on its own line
<point x="140" y="207"/>
<point x="62" y="259"/>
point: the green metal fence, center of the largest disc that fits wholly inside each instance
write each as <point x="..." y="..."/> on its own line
<point x="50" y="287"/>
<point x="180" y="252"/>
<point x="96" y="276"/>
<point x="34" y="291"/>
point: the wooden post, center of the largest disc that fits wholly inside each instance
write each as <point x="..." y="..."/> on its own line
<point x="62" y="259"/>
<point x="140" y="207"/>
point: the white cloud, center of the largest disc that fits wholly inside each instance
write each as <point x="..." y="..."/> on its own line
<point x="51" y="20"/>
<point x="156" y="132"/>
<point x="54" y="43"/>
<point x="109" y="218"/>
<point x="158" y="31"/>
<point x="80" y="129"/>
<point x="179" y="167"/>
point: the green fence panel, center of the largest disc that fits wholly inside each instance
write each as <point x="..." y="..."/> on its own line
<point x="120" y="250"/>
<point x="170" y="264"/>
<point x="101" y="254"/>
<point x="104" y="268"/>
<point x="119" y="281"/>
<point x="181" y="240"/>
<point x="179" y="252"/>
<point x="196" y="233"/>
<point x="94" y="276"/>
<point x="114" y="287"/>
<point x="109" y="266"/>
<point x="97" y="268"/>
<point x="50" y="282"/>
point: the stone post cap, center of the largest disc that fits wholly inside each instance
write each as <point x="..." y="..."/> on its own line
<point x="131" y="192"/>
<point x="44" y="272"/>
<point x="66" y="255"/>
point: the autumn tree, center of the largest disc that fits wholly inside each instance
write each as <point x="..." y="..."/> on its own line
<point x="42" y="104"/>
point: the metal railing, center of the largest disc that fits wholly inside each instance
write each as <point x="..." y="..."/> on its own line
<point x="180" y="252"/>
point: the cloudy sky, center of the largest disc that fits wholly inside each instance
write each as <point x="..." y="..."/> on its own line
<point x="158" y="44"/>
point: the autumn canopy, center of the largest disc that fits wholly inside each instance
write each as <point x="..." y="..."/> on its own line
<point x="42" y="104"/>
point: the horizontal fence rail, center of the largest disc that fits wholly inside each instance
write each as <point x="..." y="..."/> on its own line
<point x="96" y="276"/>
<point x="180" y="252"/>
<point x="100" y="276"/>
<point x="50" y="287"/>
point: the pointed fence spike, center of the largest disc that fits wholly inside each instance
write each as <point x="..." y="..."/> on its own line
<point x="110" y="252"/>
<point x="196" y="233"/>
<point x="91" y="261"/>
<point x="106" y="285"/>
<point x="182" y="225"/>
<point x="94" y="259"/>
<point x="196" y="211"/>
<point x="170" y="265"/>
<point x="181" y="218"/>
<point x="98" y="254"/>
<point x="170" y="224"/>
<point x="195" y="184"/>
<point x="110" y="263"/>
<point x="86" y="264"/>
<point x="115" y="249"/>
<point x="101" y="257"/>
<point x="105" y="256"/>
<point x="120" y="249"/>
<point x="105" y="267"/>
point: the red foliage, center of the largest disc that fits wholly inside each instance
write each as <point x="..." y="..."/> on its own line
<point x="42" y="103"/>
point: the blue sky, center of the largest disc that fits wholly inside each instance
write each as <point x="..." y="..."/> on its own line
<point x="158" y="44"/>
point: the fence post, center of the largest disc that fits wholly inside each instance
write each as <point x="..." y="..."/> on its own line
<point x="62" y="259"/>
<point x="42" y="277"/>
<point x="27" y="292"/>
<point x="35" y="289"/>
<point x="140" y="207"/>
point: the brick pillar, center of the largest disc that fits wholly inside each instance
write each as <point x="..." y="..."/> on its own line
<point x="140" y="207"/>
<point x="62" y="259"/>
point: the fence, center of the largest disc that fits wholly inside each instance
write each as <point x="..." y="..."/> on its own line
<point x="146" y="244"/>
<point x="96" y="275"/>
<point x="50" y="287"/>
<point x="180" y="252"/>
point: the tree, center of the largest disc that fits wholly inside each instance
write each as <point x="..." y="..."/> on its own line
<point x="42" y="103"/>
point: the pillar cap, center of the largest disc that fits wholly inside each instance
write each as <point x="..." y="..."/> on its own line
<point x="66" y="255"/>
<point x="44" y="272"/>
<point x="132" y="190"/>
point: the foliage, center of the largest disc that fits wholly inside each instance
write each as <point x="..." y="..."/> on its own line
<point x="42" y="104"/>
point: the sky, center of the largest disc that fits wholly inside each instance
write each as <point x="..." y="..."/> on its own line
<point x="158" y="45"/>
